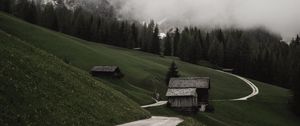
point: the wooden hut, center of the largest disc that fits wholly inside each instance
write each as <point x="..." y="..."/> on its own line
<point x="109" y="71"/>
<point x="183" y="99"/>
<point x="188" y="93"/>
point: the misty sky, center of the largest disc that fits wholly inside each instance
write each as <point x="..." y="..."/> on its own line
<point x="280" y="16"/>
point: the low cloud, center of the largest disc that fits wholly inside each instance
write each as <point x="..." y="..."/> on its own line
<point x="279" y="16"/>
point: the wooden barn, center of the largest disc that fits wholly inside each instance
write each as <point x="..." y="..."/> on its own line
<point x="188" y="93"/>
<point x="108" y="71"/>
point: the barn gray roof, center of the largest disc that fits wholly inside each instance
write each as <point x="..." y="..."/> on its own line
<point x="189" y="82"/>
<point x="181" y="92"/>
<point x="104" y="68"/>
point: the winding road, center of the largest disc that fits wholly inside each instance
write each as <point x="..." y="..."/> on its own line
<point x="255" y="90"/>
<point x="156" y="121"/>
<point x="174" y="121"/>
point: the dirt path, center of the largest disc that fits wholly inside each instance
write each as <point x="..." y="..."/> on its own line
<point x="158" y="103"/>
<point x="156" y="121"/>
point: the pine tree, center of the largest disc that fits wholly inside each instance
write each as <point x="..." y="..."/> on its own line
<point x="168" y="45"/>
<point x="220" y="54"/>
<point x="176" y="42"/>
<point x="49" y="17"/>
<point x="220" y="36"/>
<point x="64" y="17"/>
<point x="21" y="9"/>
<point x="212" y="52"/>
<point x="295" y="74"/>
<point x="149" y="36"/>
<point x="198" y="49"/>
<point x="155" y="48"/>
<point x="297" y="40"/>
<point x="144" y="38"/>
<point x="230" y="51"/>
<point x="173" y="72"/>
<point x="5" y="5"/>
<point x="134" y="36"/>
<point x="185" y="44"/>
<point x="243" y="57"/>
<point x="205" y="46"/>
<point x="31" y="13"/>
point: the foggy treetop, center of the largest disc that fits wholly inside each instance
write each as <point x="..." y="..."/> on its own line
<point x="280" y="16"/>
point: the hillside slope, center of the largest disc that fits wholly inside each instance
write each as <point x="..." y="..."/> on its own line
<point x="145" y="73"/>
<point x="39" y="89"/>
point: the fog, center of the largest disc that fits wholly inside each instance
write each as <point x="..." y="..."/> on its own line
<point x="279" y="16"/>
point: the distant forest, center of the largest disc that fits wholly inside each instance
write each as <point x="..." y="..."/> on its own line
<point x="254" y="53"/>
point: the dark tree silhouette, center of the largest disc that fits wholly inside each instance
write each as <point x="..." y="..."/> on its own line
<point x="5" y="5"/>
<point x="176" y="41"/>
<point x="168" y="45"/>
<point x="173" y="72"/>
<point x="155" y="41"/>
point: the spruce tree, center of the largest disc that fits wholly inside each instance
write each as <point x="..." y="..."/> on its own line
<point x="168" y="45"/>
<point x="155" y="41"/>
<point x="297" y="40"/>
<point x="134" y="35"/>
<point x="173" y="72"/>
<point x="31" y="13"/>
<point x="144" y="38"/>
<point x="205" y="47"/>
<point x="5" y="5"/>
<point x="150" y="36"/>
<point x="176" y="42"/>
<point x="213" y="52"/>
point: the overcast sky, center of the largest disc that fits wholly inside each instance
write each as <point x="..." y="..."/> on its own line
<point x="280" y="16"/>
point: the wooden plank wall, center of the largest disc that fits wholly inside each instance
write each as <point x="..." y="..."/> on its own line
<point x="183" y="101"/>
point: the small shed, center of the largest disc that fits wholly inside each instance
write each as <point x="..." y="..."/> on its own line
<point x="183" y="99"/>
<point x="110" y="71"/>
<point x="188" y="93"/>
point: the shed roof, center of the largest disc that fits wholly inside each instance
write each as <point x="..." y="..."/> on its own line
<point x="104" y="68"/>
<point x="181" y="92"/>
<point x="189" y="82"/>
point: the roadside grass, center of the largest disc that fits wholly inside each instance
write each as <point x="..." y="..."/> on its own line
<point x="37" y="88"/>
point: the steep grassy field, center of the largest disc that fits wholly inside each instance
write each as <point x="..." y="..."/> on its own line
<point x="144" y="73"/>
<point x="39" y="89"/>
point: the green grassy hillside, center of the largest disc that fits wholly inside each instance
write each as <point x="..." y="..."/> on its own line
<point x="144" y="73"/>
<point x="39" y="89"/>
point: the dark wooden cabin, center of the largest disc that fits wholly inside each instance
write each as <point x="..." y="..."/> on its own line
<point x="108" y="71"/>
<point x="183" y="99"/>
<point x="188" y="93"/>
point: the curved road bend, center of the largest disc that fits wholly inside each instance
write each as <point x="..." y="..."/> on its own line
<point x="255" y="90"/>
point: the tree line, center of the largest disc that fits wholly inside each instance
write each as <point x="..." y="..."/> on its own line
<point x="92" y="26"/>
<point x="254" y="53"/>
